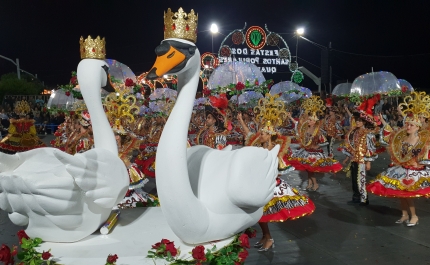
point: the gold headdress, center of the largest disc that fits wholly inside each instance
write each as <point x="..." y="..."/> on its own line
<point x="120" y="108"/>
<point x="93" y="48"/>
<point x="180" y="25"/>
<point x="22" y="107"/>
<point x="415" y="106"/>
<point x="271" y="112"/>
<point x="312" y="106"/>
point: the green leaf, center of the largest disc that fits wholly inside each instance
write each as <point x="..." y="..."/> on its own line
<point x="37" y="241"/>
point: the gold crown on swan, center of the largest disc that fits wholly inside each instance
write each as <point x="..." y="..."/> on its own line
<point x="415" y="106"/>
<point x="313" y="105"/>
<point x="271" y="112"/>
<point x="93" y="48"/>
<point x="180" y="25"/>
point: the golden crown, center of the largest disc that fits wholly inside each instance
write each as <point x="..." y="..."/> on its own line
<point x="22" y="108"/>
<point x="313" y="105"/>
<point x="93" y="48"/>
<point x="180" y="25"/>
<point x="271" y="112"/>
<point x="416" y="105"/>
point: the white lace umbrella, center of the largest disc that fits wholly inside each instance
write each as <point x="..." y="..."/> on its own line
<point x="234" y="72"/>
<point x="375" y="83"/>
<point x="287" y="91"/>
<point x="60" y="100"/>
<point x="342" y="89"/>
<point x="120" y="72"/>
<point x="160" y="93"/>
<point x="405" y="83"/>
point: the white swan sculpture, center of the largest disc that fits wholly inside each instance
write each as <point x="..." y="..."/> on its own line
<point x="205" y="194"/>
<point x="60" y="197"/>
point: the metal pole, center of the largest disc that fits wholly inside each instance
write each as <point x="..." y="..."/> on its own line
<point x="17" y="68"/>
<point x="212" y="43"/>
<point x="297" y="47"/>
<point x="329" y="46"/>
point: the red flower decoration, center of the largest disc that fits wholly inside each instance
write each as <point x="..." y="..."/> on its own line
<point x="21" y="234"/>
<point x="251" y="232"/>
<point x="256" y="82"/>
<point x="72" y="113"/>
<point x="46" y="255"/>
<point x="244" y="240"/>
<point x="206" y="91"/>
<point x="129" y="82"/>
<point x="243" y="255"/>
<point x="404" y="89"/>
<point x="170" y="247"/>
<point x="74" y="80"/>
<point x="112" y="258"/>
<point x="67" y="93"/>
<point x="5" y="255"/>
<point x="240" y="86"/>
<point x="199" y="253"/>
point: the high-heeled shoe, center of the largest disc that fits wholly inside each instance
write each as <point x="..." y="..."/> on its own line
<point x="402" y="220"/>
<point x="308" y="187"/>
<point x="412" y="224"/>
<point x="315" y="189"/>
<point x="266" y="249"/>
<point x="258" y="244"/>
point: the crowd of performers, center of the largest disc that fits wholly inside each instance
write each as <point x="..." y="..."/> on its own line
<point x="301" y="139"/>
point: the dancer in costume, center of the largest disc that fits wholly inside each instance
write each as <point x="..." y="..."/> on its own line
<point x="287" y="202"/>
<point x="22" y="135"/>
<point x="215" y="131"/>
<point x="82" y="140"/>
<point x="332" y="125"/>
<point x="410" y="152"/>
<point x="359" y="146"/>
<point x="310" y="157"/>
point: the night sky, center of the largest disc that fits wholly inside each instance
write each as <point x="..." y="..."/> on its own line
<point x="389" y="35"/>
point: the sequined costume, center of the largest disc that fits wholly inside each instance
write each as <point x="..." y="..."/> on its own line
<point x="310" y="157"/>
<point x="409" y="176"/>
<point x="217" y="140"/>
<point x="287" y="202"/>
<point x="22" y="136"/>
<point x="334" y="129"/>
<point x="360" y="147"/>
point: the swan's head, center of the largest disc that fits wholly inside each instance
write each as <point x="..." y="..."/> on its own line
<point x="94" y="70"/>
<point x="174" y="56"/>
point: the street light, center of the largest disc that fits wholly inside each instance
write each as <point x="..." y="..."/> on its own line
<point x="299" y="32"/>
<point x="214" y="30"/>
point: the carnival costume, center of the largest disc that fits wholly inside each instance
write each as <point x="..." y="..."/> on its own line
<point x="310" y="157"/>
<point x="22" y="135"/>
<point x="332" y="126"/>
<point x="409" y="177"/>
<point x="81" y="140"/>
<point x="287" y="202"/>
<point x="216" y="135"/>
<point x="360" y="147"/>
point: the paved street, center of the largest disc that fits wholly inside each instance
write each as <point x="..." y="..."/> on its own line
<point x="336" y="233"/>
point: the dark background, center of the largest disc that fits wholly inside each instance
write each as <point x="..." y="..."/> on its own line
<point x="386" y="35"/>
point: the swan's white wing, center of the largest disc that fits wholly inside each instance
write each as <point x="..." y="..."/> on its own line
<point x="251" y="182"/>
<point x="100" y="174"/>
<point x="40" y="186"/>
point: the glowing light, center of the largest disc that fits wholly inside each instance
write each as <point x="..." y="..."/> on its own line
<point x="165" y="76"/>
<point x="300" y="31"/>
<point x="214" y="28"/>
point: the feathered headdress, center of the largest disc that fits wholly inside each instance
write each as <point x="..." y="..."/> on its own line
<point x="313" y="105"/>
<point x="367" y="107"/>
<point x="271" y="112"/>
<point x="217" y="108"/>
<point x="414" y="106"/>
<point x="85" y="119"/>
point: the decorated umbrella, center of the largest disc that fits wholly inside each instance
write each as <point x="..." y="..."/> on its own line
<point x="287" y="90"/>
<point x="306" y="91"/>
<point x="60" y="100"/>
<point x="199" y="103"/>
<point x="119" y="73"/>
<point x="163" y="93"/>
<point x="234" y="72"/>
<point x="342" y="89"/>
<point x="406" y="84"/>
<point x="375" y="83"/>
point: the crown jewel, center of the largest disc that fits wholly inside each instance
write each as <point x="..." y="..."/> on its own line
<point x="180" y="25"/>
<point x="272" y="112"/>
<point x="22" y="108"/>
<point x="416" y="105"/>
<point x="92" y="48"/>
<point x="313" y="105"/>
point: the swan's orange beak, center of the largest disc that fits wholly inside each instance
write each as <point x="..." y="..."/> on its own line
<point x="166" y="62"/>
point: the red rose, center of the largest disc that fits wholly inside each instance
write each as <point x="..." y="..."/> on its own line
<point x="244" y="240"/>
<point x="243" y="255"/>
<point x="251" y="232"/>
<point x="112" y="258"/>
<point x="199" y="253"/>
<point x="240" y="86"/>
<point x="237" y="263"/>
<point x="129" y="82"/>
<point x="5" y="255"/>
<point x="404" y="89"/>
<point x="21" y="234"/>
<point x="256" y="82"/>
<point x="170" y="247"/>
<point x="46" y="255"/>
<point x="67" y="93"/>
<point x="14" y="250"/>
<point x="74" y="80"/>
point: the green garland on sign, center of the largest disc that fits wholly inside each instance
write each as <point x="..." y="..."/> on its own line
<point x="297" y="77"/>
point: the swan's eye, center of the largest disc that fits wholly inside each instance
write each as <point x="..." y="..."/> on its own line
<point x="171" y="55"/>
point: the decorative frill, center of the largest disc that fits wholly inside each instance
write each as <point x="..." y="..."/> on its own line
<point x="313" y="160"/>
